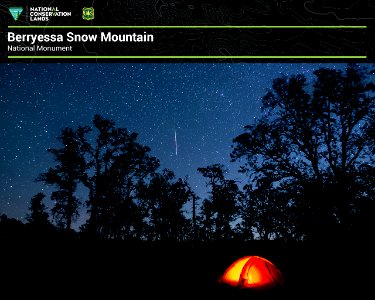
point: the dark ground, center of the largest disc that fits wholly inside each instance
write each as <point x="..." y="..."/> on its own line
<point x="119" y="270"/>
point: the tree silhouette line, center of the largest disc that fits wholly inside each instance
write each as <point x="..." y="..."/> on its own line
<point x="308" y="160"/>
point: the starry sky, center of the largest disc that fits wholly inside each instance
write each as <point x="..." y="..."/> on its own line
<point x="207" y="104"/>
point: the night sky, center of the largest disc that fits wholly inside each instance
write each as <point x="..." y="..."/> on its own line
<point x="206" y="104"/>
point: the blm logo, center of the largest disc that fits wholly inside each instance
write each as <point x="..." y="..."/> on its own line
<point x="15" y="12"/>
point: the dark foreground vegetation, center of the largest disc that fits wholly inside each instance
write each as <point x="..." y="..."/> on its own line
<point x="144" y="270"/>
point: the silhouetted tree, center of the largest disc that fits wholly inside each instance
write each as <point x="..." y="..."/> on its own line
<point x="67" y="174"/>
<point x="38" y="215"/>
<point x="194" y="219"/>
<point x="119" y="164"/>
<point x="221" y="207"/>
<point x="314" y="142"/>
<point x="164" y="198"/>
<point x="11" y="229"/>
<point x="266" y="214"/>
<point x="206" y="225"/>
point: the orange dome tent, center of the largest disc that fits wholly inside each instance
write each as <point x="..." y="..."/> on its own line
<point x="253" y="272"/>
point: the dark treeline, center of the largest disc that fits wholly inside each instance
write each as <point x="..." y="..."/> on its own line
<point x="309" y="164"/>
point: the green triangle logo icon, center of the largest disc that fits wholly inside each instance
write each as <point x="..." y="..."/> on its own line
<point x="15" y="12"/>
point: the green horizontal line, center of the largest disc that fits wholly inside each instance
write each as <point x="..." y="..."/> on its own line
<point x="197" y="57"/>
<point x="203" y="27"/>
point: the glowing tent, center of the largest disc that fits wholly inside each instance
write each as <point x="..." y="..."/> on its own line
<point x="253" y="272"/>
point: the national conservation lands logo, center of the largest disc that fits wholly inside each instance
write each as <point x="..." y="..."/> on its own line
<point x="15" y="12"/>
<point x="38" y="13"/>
<point x="88" y="13"/>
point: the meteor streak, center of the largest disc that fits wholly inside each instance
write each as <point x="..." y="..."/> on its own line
<point x="175" y="140"/>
